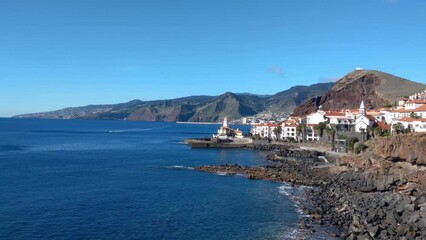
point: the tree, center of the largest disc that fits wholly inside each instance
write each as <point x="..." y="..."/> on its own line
<point x="408" y="129"/>
<point x="377" y="132"/>
<point x="398" y="128"/>
<point x="321" y="126"/>
<point x="414" y="115"/>
<point x="351" y="143"/>
<point x="276" y="132"/>
<point x="330" y="133"/>
<point x="301" y="130"/>
<point x="362" y="133"/>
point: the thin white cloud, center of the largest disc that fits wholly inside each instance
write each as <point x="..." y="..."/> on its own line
<point x="276" y="70"/>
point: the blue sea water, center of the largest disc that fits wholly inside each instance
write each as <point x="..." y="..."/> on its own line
<point x="74" y="179"/>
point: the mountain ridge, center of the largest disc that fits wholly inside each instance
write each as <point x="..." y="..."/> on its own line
<point x="197" y="108"/>
<point x="377" y="89"/>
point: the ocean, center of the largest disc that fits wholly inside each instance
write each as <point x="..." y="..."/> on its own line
<point x="75" y="179"/>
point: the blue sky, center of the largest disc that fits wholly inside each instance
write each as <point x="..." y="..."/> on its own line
<point x="59" y="53"/>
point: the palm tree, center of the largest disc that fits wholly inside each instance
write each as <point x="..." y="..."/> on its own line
<point x="330" y="133"/>
<point x="279" y="131"/>
<point x="321" y="126"/>
<point x="301" y="130"/>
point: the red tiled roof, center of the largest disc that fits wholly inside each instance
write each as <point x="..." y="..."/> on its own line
<point x="384" y="126"/>
<point x="336" y="114"/>
<point x="421" y="108"/>
<point x="267" y="125"/>
<point x="410" y="119"/>
<point x="402" y="110"/>
<point x="373" y="112"/>
<point x="419" y="101"/>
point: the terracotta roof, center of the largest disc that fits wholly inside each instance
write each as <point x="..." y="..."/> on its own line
<point x="373" y="113"/>
<point x="421" y="108"/>
<point x="403" y="110"/>
<point x="383" y="126"/>
<point x="419" y="101"/>
<point x="291" y="125"/>
<point x="335" y="114"/>
<point x="267" y="125"/>
<point x="410" y="119"/>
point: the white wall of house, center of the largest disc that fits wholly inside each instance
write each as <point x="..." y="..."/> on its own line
<point x="315" y="118"/>
<point x="362" y="122"/>
<point x="289" y="131"/>
<point x="412" y="105"/>
<point x="418" y="125"/>
<point x="311" y="135"/>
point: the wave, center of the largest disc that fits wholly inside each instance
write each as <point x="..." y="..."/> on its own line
<point x="179" y="167"/>
<point x="133" y="130"/>
<point x="286" y="190"/>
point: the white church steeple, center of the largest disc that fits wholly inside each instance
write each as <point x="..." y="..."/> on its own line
<point x="361" y="109"/>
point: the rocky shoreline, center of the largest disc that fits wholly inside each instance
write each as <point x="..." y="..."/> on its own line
<point x="379" y="194"/>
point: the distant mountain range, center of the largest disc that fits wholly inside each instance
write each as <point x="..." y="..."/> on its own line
<point x="377" y="89"/>
<point x="193" y="108"/>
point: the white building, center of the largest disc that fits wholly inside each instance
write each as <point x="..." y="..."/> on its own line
<point x="415" y="124"/>
<point x="316" y="117"/>
<point x="363" y="121"/>
<point x="341" y="121"/>
<point x="289" y="131"/>
<point x="311" y="134"/>
<point x="266" y="130"/>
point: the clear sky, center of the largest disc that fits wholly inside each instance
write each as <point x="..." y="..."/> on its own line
<point x="60" y="53"/>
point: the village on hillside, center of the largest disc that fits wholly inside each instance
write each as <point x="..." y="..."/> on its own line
<point x="337" y="127"/>
<point x="340" y="128"/>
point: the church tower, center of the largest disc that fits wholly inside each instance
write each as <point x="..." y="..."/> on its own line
<point x="225" y="122"/>
<point x="361" y="109"/>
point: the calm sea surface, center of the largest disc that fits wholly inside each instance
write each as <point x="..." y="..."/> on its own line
<point x="73" y="179"/>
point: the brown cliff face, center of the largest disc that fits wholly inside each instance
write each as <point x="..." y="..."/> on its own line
<point x="375" y="88"/>
<point x="409" y="148"/>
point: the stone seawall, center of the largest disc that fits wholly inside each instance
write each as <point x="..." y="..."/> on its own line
<point x="286" y="150"/>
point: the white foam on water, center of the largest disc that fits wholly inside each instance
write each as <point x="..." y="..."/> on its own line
<point x="133" y="130"/>
<point x="222" y="173"/>
<point x="285" y="190"/>
<point x="179" y="167"/>
<point x="293" y="233"/>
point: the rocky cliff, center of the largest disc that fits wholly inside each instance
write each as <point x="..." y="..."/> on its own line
<point x="410" y="148"/>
